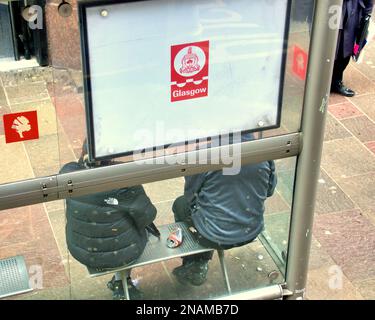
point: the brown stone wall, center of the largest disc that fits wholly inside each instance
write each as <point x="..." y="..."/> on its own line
<point x="63" y="36"/>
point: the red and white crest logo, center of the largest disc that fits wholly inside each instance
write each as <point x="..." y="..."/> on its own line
<point x="300" y="61"/>
<point x="189" y="71"/>
<point x="190" y="62"/>
<point x="21" y="126"/>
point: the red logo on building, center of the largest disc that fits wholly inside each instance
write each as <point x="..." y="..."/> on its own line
<point x="189" y="71"/>
<point x="300" y="61"/>
<point x="21" y="126"/>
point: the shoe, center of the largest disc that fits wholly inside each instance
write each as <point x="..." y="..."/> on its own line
<point x="192" y="272"/>
<point x="342" y="90"/>
<point x="118" y="290"/>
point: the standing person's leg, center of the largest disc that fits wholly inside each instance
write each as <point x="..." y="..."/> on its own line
<point x="338" y="70"/>
<point x="340" y="65"/>
<point x="337" y="77"/>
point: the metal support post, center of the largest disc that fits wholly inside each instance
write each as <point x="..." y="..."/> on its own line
<point x="322" y="54"/>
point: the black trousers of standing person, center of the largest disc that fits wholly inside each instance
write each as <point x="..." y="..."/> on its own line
<point x="341" y="62"/>
<point x="339" y="68"/>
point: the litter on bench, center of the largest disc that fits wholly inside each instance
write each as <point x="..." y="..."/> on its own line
<point x="175" y="238"/>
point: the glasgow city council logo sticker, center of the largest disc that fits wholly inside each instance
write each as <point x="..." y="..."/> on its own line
<point x="189" y="71"/>
<point x="21" y="126"/>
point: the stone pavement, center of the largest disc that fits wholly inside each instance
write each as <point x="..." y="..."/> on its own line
<point x="38" y="232"/>
<point x="342" y="264"/>
<point x="344" y="229"/>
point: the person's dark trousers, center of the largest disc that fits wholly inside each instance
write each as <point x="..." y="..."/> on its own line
<point x="182" y="213"/>
<point x="339" y="68"/>
<point x="341" y="62"/>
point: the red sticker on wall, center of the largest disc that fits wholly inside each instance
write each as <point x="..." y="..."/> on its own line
<point x="189" y="71"/>
<point x="21" y="126"/>
<point x="300" y="60"/>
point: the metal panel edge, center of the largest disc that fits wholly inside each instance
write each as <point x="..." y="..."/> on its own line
<point x="138" y="172"/>
<point x="274" y="292"/>
<point x="61" y="186"/>
<point x="28" y="192"/>
<point x="322" y="55"/>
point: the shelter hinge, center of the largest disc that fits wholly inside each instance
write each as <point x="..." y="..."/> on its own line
<point x="70" y="186"/>
<point x="48" y="187"/>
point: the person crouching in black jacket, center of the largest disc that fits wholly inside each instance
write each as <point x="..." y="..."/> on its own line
<point x="108" y="229"/>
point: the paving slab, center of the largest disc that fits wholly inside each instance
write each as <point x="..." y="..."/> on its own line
<point x="344" y="110"/>
<point x="27" y="92"/>
<point x="346" y="157"/>
<point x="349" y="237"/>
<point x="365" y="104"/>
<point x="357" y="81"/>
<point x="285" y="185"/>
<point x="23" y="75"/>
<point x="3" y="99"/>
<point x="327" y="283"/>
<point x="371" y="146"/>
<point x="335" y="98"/>
<point x="15" y="226"/>
<point x="276" y="204"/>
<point x="66" y="150"/>
<point x="277" y="228"/>
<point x="4" y="109"/>
<point x="15" y="163"/>
<point x="165" y="190"/>
<point x="75" y="130"/>
<point x="361" y="127"/>
<point x="47" y="121"/>
<point x="334" y="129"/>
<point x="286" y="164"/>
<point x="319" y="257"/>
<point x="366" y="288"/>
<point x="44" y="155"/>
<point x="58" y="222"/>
<point x="330" y="197"/>
<point x="164" y="213"/>
<point x="361" y="189"/>
<point x="32" y="237"/>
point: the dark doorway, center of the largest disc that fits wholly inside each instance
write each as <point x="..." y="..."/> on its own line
<point x="17" y="38"/>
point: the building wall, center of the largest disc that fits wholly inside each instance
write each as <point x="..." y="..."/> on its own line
<point x="63" y="36"/>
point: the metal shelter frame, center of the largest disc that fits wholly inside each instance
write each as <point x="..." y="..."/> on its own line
<point x="306" y="145"/>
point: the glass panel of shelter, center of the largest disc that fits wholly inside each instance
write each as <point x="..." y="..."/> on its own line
<point x="58" y="96"/>
<point x="265" y="258"/>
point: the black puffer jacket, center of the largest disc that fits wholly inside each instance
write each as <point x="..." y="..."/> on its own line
<point x="107" y="229"/>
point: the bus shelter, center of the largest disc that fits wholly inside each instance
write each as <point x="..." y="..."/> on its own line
<point x="160" y="90"/>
